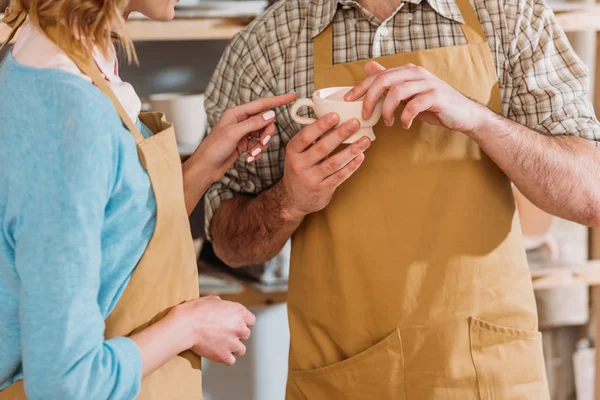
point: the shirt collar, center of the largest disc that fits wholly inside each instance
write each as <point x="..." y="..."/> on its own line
<point x="324" y="11"/>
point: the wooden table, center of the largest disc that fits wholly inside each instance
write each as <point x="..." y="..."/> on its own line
<point x="251" y="297"/>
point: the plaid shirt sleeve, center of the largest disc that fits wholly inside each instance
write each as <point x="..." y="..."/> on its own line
<point x="240" y="78"/>
<point x="549" y="90"/>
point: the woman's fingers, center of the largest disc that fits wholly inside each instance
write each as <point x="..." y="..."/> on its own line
<point x="238" y="348"/>
<point x="252" y="124"/>
<point x="250" y="319"/>
<point x="260" y="106"/>
<point x="259" y="143"/>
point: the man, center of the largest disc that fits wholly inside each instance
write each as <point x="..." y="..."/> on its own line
<point x="408" y="278"/>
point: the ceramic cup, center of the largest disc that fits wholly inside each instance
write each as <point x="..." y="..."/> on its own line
<point x="329" y="100"/>
<point x="186" y="113"/>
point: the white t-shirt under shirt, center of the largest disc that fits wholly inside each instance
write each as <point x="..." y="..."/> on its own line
<point x="34" y="49"/>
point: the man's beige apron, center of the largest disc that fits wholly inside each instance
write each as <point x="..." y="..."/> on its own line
<point x="413" y="283"/>
<point x="167" y="273"/>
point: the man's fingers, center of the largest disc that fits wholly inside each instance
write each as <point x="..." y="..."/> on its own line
<point x="373" y="70"/>
<point x="339" y="161"/>
<point x="373" y="67"/>
<point x="398" y="94"/>
<point x="312" y="132"/>
<point x="327" y="144"/>
<point x="341" y="176"/>
<point x="416" y="106"/>
<point x="383" y="82"/>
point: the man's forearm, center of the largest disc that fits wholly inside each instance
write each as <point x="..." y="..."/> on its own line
<point x="253" y="230"/>
<point x="560" y="174"/>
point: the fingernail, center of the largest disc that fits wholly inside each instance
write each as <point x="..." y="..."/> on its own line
<point x="364" y="114"/>
<point x="266" y="140"/>
<point x="269" y="115"/>
<point x="392" y="121"/>
<point x="353" y="124"/>
<point x="332" y="118"/>
<point x="348" y="95"/>
<point x="250" y="159"/>
<point x="256" y="152"/>
<point x="365" y="142"/>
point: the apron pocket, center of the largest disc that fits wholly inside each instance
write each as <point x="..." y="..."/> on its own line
<point x="376" y="373"/>
<point x="509" y="362"/>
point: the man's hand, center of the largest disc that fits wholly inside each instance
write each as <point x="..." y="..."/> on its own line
<point x="423" y="95"/>
<point x="312" y="173"/>
<point x="253" y="230"/>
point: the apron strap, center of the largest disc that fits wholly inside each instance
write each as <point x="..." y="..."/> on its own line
<point x="89" y="68"/>
<point x="472" y="28"/>
<point x="324" y="43"/>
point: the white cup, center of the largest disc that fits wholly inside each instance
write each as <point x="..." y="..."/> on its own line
<point x="329" y="100"/>
<point x="186" y="112"/>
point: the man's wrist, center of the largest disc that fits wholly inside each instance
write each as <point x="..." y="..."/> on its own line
<point x="486" y="124"/>
<point x="287" y="211"/>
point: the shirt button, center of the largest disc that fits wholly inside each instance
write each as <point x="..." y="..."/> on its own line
<point x="384" y="31"/>
<point x="410" y="16"/>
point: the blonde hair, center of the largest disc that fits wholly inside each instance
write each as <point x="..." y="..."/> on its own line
<point x="82" y="24"/>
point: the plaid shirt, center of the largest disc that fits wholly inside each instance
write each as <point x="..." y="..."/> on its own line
<point x="543" y="82"/>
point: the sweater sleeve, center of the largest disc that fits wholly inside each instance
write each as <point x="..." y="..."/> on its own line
<point x="59" y="205"/>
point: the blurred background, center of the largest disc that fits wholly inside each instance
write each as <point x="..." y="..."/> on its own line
<point x="177" y="60"/>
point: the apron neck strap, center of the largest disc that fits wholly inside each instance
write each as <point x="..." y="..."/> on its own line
<point x="90" y="68"/>
<point x="472" y="29"/>
<point x="323" y="49"/>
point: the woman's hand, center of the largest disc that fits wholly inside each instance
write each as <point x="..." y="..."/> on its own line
<point x="242" y="130"/>
<point x="218" y="327"/>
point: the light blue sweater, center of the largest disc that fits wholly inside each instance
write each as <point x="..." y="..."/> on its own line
<point x="76" y="214"/>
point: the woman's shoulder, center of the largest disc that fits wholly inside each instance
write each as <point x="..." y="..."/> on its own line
<point x="54" y="95"/>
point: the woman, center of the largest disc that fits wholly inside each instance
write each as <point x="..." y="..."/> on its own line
<point x="98" y="282"/>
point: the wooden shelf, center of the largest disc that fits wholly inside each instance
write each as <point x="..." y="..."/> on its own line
<point x="178" y="29"/>
<point x="185" y="29"/>
<point x="585" y="19"/>
<point x="587" y="274"/>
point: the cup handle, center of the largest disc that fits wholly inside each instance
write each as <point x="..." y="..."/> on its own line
<point x="296" y="107"/>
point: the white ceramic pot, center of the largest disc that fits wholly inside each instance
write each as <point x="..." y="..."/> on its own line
<point x="186" y="112"/>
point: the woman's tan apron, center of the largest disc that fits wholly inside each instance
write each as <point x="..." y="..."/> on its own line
<point x="413" y="283"/>
<point x="167" y="273"/>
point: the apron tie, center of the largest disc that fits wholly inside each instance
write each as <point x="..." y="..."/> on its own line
<point x="14" y="17"/>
